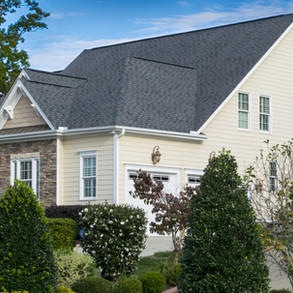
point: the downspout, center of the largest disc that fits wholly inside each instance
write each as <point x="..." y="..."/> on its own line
<point x="58" y="173"/>
<point x="116" y="165"/>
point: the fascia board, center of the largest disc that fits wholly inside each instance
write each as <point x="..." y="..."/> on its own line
<point x="27" y="93"/>
<point x="246" y="78"/>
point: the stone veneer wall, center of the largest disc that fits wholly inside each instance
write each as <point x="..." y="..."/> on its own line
<point x="48" y="164"/>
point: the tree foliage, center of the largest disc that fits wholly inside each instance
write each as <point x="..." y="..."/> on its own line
<point x="271" y="186"/>
<point x="12" y="59"/>
<point x="170" y="210"/>
<point x="222" y="249"/>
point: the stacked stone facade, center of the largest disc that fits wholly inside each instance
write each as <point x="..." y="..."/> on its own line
<point x="47" y="150"/>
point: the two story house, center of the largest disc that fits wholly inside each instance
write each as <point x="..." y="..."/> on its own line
<point x="161" y="104"/>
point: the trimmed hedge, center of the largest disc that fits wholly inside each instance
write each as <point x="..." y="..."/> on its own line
<point x="153" y="282"/>
<point x="62" y="232"/>
<point x="92" y="285"/>
<point x="69" y="211"/>
<point x="129" y="285"/>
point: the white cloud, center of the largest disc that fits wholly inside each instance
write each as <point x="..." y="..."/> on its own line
<point x="184" y="3"/>
<point x="57" y="55"/>
<point x="56" y="15"/>
<point x="215" y="16"/>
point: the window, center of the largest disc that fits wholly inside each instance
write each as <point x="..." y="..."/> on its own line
<point x="243" y="111"/>
<point x="272" y="176"/>
<point x="264" y="113"/>
<point x="88" y="171"/>
<point x="193" y="180"/>
<point x="28" y="171"/>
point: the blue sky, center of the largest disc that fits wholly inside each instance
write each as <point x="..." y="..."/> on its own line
<point x="75" y="25"/>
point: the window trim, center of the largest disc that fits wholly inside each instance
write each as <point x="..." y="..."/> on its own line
<point x="249" y="111"/>
<point x="270" y="113"/>
<point x="15" y="172"/>
<point x="82" y="155"/>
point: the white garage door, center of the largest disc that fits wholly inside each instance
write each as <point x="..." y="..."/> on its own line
<point x="170" y="186"/>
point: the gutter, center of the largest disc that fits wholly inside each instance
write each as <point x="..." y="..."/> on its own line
<point x="116" y="165"/>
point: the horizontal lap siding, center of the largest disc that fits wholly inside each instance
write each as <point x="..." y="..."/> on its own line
<point x="70" y="164"/>
<point x="274" y="77"/>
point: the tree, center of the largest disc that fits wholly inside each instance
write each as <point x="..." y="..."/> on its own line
<point x="271" y="187"/>
<point x="12" y="59"/>
<point x="222" y="249"/>
<point x="170" y="211"/>
<point x="26" y="254"/>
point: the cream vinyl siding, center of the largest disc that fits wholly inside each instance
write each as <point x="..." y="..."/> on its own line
<point x="24" y="115"/>
<point x="274" y="78"/>
<point x="70" y="165"/>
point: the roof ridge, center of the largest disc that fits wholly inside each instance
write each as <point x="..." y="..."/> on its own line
<point x="161" y="62"/>
<point x="189" y="32"/>
<point x="58" y="74"/>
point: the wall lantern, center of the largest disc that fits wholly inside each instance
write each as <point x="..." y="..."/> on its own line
<point x="156" y="155"/>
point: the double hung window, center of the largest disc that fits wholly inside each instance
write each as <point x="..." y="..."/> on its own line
<point x="26" y="170"/>
<point x="272" y="176"/>
<point x="88" y="172"/>
<point x="243" y="111"/>
<point x="264" y="113"/>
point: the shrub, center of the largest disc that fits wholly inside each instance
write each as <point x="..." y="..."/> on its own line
<point x="153" y="282"/>
<point x="63" y="289"/>
<point x="62" y="232"/>
<point x="16" y="292"/>
<point x="26" y="254"/>
<point x="175" y="271"/>
<point x="129" y="285"/>
<point x="114" y="236"/>
<point x="280" y="291"/>
<point x="223" y="248"/>
<point x="73" y="266"/>
<point x="69" y="211"/>
<point x="92" y="285"/>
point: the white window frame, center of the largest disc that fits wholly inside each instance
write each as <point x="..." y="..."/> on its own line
<point x="83" y="155"/>
<point x="15" y="172"/>
<point x="274" y="177"/>
<point x="246" y="111"/>
<point x="267" y="114"/>
<point x="192" y="172"/>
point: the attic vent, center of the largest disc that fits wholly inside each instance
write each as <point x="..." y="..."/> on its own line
<point x="9" y="111"/>
<point x="36" y="110"/>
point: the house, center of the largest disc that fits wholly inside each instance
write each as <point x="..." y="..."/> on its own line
<point x="79" y="135"/>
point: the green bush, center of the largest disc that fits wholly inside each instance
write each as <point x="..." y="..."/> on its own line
<point x="92" y="285"/>
<point x="73" y="266"/>
<point x="153" y="282"/>
<point x="129" y="285"/>
<point x="280" y="291"/>
<point x="63" y="289"/>
<point x="62" y="232"/>
<point x="26" y="254"/>
<point x="114" y="236"/>
<point x="175" y="271"/>
<point x="16" y="292"/>
<point x="222" y="247"/>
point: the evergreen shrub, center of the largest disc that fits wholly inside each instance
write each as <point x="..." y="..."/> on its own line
<point x="26" y="254"/>
<point x="92" y="285"/>
<point x="129" y="285"/>
<point x="62" y="232"/>
<point x="73" y="266"/>
<point x="114" y="236"/>
<point x="223" y="251"/>
<point x="153" y="282"/>
<point x="68" y="211"/>
<point x="63" y="289"/>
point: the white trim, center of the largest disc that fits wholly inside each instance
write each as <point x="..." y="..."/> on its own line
<point x="249" y="111"/>
<point x="81" y="185"/>
<point x="58" y="171"/>
<point x="246" y="78"/>
<point x="270" y="114"/>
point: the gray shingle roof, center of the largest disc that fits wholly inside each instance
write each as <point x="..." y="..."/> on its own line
<point x="172" y="83"/>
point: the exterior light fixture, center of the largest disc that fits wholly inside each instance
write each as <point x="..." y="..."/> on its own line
<point x="156" y="155"/>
